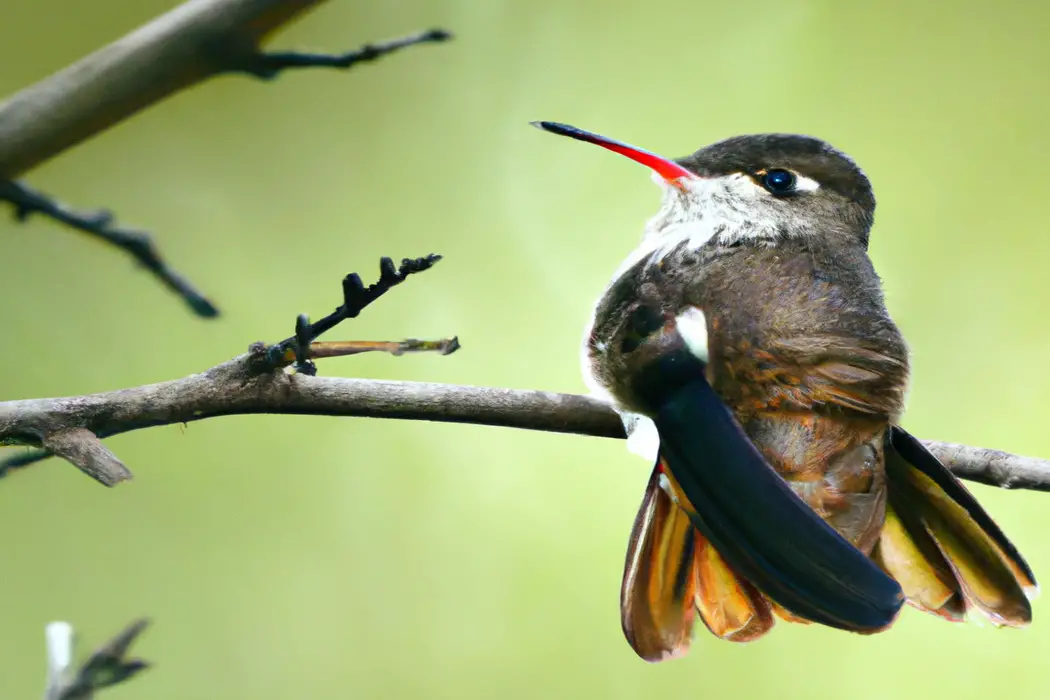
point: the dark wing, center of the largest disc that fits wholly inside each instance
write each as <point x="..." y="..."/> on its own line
<point x="762" y="529"/>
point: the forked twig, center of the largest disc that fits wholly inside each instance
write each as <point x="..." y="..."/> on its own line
<point x="107" y="666"/>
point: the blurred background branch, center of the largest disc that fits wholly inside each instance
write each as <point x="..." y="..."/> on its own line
<point x="107" y="666"/>
<point x="193" y="42"/>
<point x="139" y="244"/>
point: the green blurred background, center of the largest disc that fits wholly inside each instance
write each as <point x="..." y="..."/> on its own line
<point x="286" y="557"/>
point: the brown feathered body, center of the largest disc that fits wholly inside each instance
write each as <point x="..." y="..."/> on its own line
<point x="802" y="351"/>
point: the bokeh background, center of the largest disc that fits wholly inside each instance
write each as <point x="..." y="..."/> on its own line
<point x="336" y="558"/>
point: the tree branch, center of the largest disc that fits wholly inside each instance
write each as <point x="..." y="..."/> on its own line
<point x="195" y="41"/>
<point x="236" y="388"/>
<point x="259" y="382"/>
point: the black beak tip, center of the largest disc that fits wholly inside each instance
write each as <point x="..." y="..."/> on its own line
<point x="553" y="127"/>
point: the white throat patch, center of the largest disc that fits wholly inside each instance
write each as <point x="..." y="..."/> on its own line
<point x="727" y="209"/>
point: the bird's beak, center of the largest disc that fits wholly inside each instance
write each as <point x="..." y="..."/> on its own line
<point x="670" y="171"/>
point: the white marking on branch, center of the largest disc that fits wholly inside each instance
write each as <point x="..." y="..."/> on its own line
<point x="61" y="644"/>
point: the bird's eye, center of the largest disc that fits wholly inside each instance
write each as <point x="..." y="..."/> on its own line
<point x="779" y="181"/>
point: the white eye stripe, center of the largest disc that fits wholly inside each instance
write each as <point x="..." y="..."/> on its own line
<point x="805" y="184"/>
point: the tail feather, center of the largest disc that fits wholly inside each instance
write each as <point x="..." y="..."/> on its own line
<point x="786" y="615"/>
<point x="730" y="607"/>
<point x="937" y="544"/>
<point x="948" y="554"/>
<point x="673" y="573"/>
<point x="659" y="581"/>
<point x="916" y="454"/>
<point x="909" y="554"/>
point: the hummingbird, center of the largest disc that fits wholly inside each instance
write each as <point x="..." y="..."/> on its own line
<point x="747" y="347"/>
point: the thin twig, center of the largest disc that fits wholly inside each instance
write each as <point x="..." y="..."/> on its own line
<point x="356" y="297"/>
<point x="345" y="348"/>
<point x="270" y="64"/>
<point x="138" y="244"/>
<point x="81" y="448"/>
<point x="22" y="459"/>
<point x="107" y="666"/>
